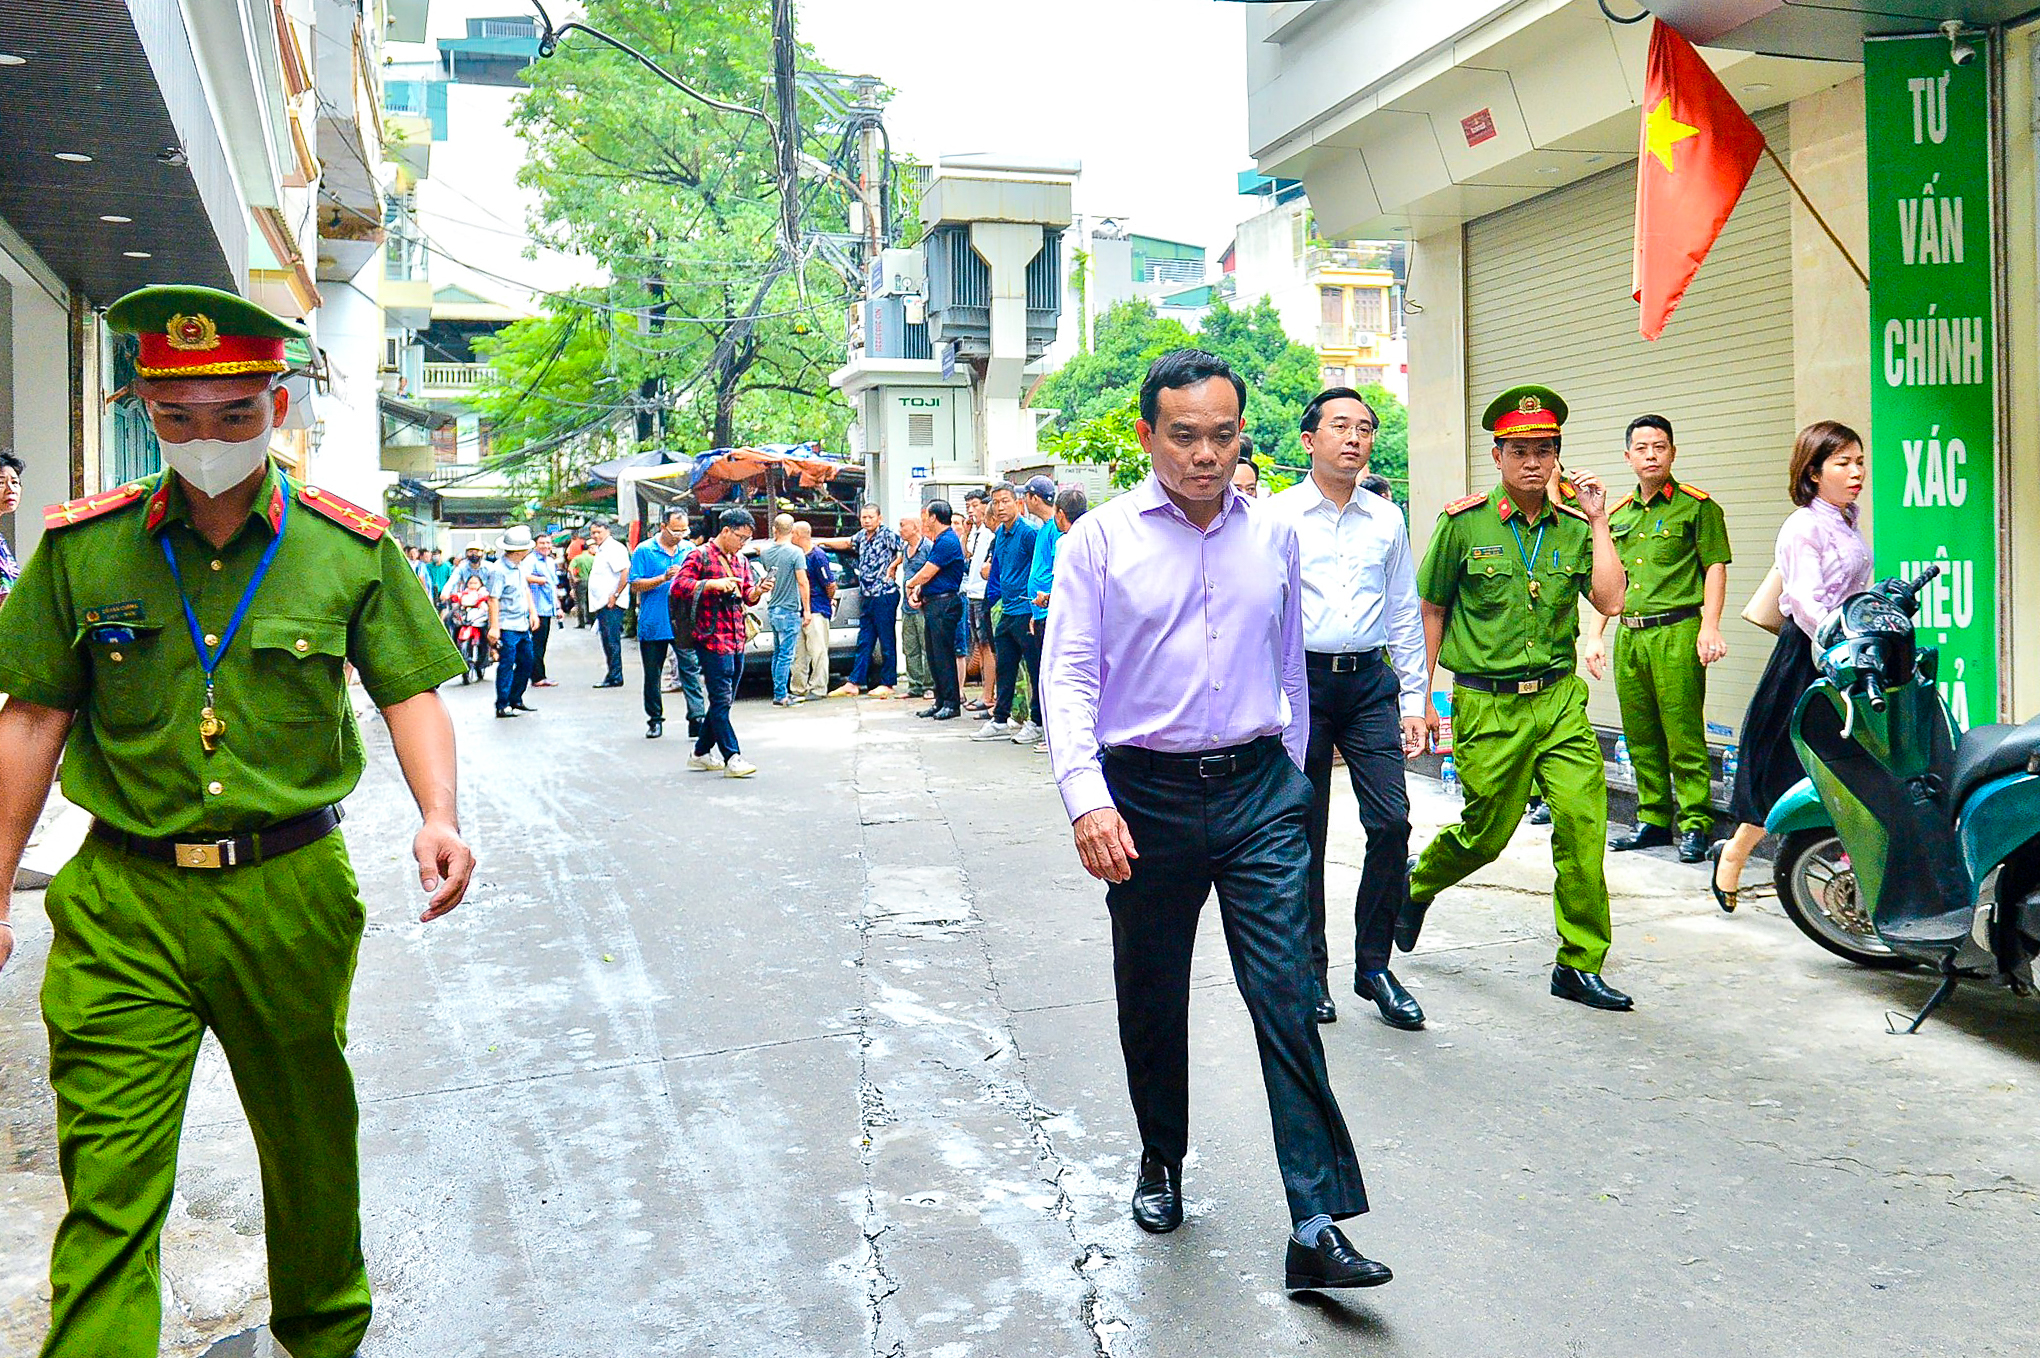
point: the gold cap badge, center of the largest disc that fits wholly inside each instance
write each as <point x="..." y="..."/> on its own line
<point x="1529" y="405"/>
<point x="192" y="332"/>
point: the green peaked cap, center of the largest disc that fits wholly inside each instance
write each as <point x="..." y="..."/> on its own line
<point x="1512" y="401"/>
<point x="148" y="311"/>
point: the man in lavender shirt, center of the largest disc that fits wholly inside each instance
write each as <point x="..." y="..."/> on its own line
<point x="1178" y="720"/>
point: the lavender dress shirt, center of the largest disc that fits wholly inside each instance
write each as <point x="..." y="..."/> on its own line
<point x="1170" y="637"/>
<point x="1824" y="560"/>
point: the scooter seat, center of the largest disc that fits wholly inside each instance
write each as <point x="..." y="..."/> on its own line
<point x="1988" y="752"/>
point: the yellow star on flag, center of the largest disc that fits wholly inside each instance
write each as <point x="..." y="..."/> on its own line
<point x="1661" y="132"/>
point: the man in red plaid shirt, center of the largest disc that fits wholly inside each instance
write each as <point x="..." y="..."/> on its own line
<point x="719" y="580"/>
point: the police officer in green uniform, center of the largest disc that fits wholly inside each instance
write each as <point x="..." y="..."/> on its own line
<point x="182" y="641"/>
<point x="1500" y="590"/>
<point x="1674" y="545"/>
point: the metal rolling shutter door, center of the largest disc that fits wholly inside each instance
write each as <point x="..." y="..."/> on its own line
<point x="1548" y="300"/>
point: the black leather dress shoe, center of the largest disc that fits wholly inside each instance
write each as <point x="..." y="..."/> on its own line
<point x="523" y="707"/>
<point x="1693" y="846"/>
<point x="1399" y="1008"/>
<point x="1409" y="919"/>
<point x="654" y="729"/>
<point x="1331" y="1262"/>
<point x="506" y="711"/>
<point x="1325" y="1011"/>
<point x="1540" y="813"/>
<point x="1644" y="836"/>
<point x="607" y="683"/>
<point x="945" y="713"/>
<point x="1158" y="1195"/>
<point x="927" y="711"/>
<point x="1587" y="987"/>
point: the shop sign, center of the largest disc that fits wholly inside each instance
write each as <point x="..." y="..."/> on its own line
<point x="1933" y="355"/>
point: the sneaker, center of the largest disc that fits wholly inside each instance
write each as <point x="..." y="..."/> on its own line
<point x="880" y="692"/>
<point x="706" y="763"/>
<point x="1027" y="735"/>
<point x="1042" y="748"/>
<point x="739" y="767"/>
<point x="784" y="702"/>
<point x="993" y="730"/>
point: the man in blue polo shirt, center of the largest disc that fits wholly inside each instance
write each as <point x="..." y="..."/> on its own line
<point x="652" y="568"/>
<point x="1011" y="560"/>
<point x="934" y="588"/>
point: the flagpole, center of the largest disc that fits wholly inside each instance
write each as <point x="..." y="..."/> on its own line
<point x="1816" y="214"/>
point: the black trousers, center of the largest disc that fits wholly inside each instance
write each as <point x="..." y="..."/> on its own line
<point x="1243" y="833"/>
<point x="1355" y="713"/>
<point x="941" y="613"/>
<point x="1013" y="647"/>
<point x="540" y="635"/>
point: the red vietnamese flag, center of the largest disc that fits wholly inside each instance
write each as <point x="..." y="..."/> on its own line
<point x="1696" y="153"/>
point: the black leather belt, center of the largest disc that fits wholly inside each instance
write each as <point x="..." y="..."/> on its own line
<point x="1639" y="621"/>
<point x="1532" y="683"/>
<point x="202" y="849"/>
<point x="1342" y="662"/>
<point x="1210" y="764"/>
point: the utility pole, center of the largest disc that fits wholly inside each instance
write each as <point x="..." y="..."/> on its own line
<point x="870" y="167"/>
<point x="784" y="76"/>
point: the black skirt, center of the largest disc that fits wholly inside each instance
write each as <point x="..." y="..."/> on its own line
<point x="1767" y="765"/>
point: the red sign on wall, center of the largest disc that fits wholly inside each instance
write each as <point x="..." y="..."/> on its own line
<point x="1478" y="127"/>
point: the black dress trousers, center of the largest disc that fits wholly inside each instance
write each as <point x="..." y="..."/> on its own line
<point x="1354" y="712"/>
<point x="1236" y="823"/>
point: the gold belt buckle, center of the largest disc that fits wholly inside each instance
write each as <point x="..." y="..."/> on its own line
<point x="218" y="854"/>
<point x="1528" y="686"/>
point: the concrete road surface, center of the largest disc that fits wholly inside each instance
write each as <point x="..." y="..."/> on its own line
<point x="824" y="1063"/>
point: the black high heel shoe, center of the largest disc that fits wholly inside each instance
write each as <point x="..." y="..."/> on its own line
<point x="1725" y="899"/>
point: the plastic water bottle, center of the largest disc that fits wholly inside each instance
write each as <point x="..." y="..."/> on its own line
<point x="1728" y="767"/>
<point x="1622" y="754"/>
<point x="1448" y="774"/>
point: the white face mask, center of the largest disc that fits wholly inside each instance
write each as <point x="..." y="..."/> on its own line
<point x="215" y="466"/>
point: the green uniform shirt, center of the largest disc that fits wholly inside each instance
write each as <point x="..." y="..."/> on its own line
<point x="1479" y="570"/>
<point x="1666" y="545"/>
<point x="95" y="628"/>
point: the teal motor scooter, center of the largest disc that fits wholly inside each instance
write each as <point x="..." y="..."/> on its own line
<point x="1910" y="843"/>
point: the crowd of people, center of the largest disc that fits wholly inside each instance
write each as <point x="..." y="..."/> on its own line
<point x="1214" y="648"/>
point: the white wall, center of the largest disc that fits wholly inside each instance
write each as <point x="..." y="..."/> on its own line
<point x="349" y="327"/>
<point x="36" y="419"/>
<point x="1265" y="262"/>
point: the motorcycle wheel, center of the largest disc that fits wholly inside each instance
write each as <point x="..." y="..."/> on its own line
<point x="1817" y="887"/>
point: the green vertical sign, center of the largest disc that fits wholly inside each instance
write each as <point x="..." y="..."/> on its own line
<point x="1933" y="360"/>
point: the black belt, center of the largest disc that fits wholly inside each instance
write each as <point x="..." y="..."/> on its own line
<point x="1639" y="621"/>
<point x="203" y="849"/>
<point x="1210" y="764"/>
<point x="1529" y="683"/>
<point x="1342" y="662"/>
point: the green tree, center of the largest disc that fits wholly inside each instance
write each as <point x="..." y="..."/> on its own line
<point x="706" y="336"/>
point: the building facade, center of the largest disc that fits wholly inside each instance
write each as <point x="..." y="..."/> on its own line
<point x="1499" y="141"/>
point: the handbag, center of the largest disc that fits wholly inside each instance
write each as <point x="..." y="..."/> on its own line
<point x="1763" y="609"/>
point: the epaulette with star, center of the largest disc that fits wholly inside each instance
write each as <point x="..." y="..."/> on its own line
<point x="91" y="507"/>
<point x="1695" y="491"/>
<point x="1462" y="505"/>
<point x="352" y="517"/>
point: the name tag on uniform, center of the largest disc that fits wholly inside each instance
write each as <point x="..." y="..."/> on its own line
<point x="1483" y="553"/>
<point x="113" y="636"/>
<point x="129" y="611"/>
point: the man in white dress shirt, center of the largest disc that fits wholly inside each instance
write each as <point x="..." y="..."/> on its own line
<point x="1363" y="637"/>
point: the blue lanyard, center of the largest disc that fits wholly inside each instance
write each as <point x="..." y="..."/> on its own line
<point x="1529" y="557"/>
<point x="209" y="659"/>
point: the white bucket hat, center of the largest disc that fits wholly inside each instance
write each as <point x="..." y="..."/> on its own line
<point x="515" y="539"/>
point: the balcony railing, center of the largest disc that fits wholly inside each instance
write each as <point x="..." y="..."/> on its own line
<point x="1333" y="335"/>
<point x="454" y="376"/>
<point x="1347" y="257"/>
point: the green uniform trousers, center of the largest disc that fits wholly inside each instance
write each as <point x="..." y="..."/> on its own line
<point x="1501" y="741"/>
<point x="145" y="958"/>
<point x="1663" y="689"/>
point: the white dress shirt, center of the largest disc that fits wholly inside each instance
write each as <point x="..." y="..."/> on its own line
<point x="612" y="566"/>
<point x="1359" y="584"/>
